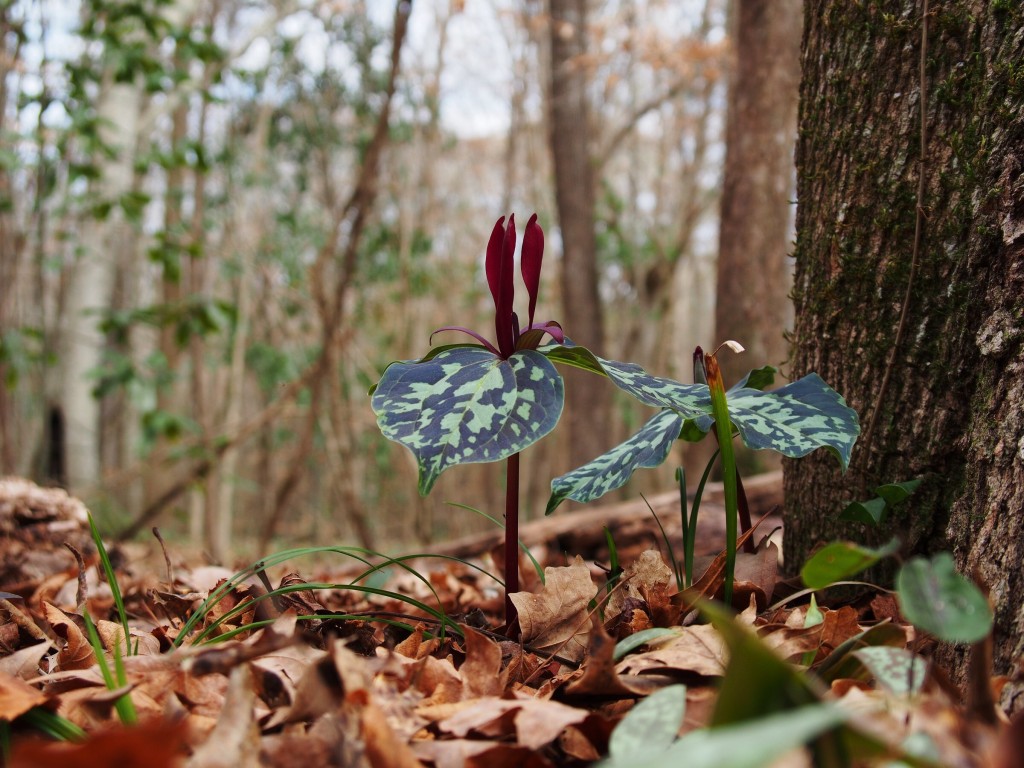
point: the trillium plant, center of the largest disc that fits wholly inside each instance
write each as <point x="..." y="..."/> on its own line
<point x="487" y="401"/>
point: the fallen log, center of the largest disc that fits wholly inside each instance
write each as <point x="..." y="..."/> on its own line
<point x="632" y="525"/>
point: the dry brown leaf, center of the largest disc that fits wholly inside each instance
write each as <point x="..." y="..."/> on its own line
<point x="235" y="739"/>
<point x="696" y="649"/>
<point x="791" y="643"/>
<point x="112" y="634"/>
<point x="534" y="722"/>
<point x="598" y="676"/>
<point x="17" y="697"/>
<point x="383" y="747"/>
<point x="838" y="627"/>
<point x="24" y="662"/>
<point x="711" y="581"/>
<point x="556" y="619"/>
<point x="481" y="672"/>
<point x="76" y="652"/>
<point x="150" y="745"/>
<point x="646" y="575"/>
<point x="466" y="753"/>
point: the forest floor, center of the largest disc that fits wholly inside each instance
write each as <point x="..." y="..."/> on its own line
<point x="405" y="665"/>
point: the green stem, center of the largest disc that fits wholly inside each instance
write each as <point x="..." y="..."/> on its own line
<point x="511" y="541"/>
<point x="724" y="432"/>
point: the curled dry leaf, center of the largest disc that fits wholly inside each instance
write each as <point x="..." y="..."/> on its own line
<point x="598" y="677"/>
<point x="647" y="578"/>
<point x="76" y="652"/>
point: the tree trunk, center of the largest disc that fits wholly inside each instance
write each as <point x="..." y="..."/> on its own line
<point x="755" y="225"/>
<point x="587" y="401"/>
<point x="90" y="291"/>
<point x="952" y="405"/>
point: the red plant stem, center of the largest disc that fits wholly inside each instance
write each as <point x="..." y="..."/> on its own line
<point x="511" y="541"/>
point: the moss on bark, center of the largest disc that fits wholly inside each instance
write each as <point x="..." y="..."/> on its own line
<point x="951" y="395"/>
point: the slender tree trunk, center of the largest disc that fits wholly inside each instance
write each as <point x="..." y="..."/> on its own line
<point x="570" y="138"/>
<point x="940" y="391"/>
<point x="756" y="222"/>
<point x="90" y="291"/>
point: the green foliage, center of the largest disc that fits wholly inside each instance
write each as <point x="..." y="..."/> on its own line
<point x="113" y="680"/>
<point x="874" y="511"/>
<point x="937" y="599"/>
<point x="21" y="349"/>
<point x="793" y="420"/>
<point x="765" y="709"/>
<point x="840" y="560"/>
<point x="896" y="669"/>
<point x="111" y="576"/>
<point x="366" y="582"/>
<point x="650" y="728"/>
<point x="467" y="405"/>
<point x="52" y="725"/>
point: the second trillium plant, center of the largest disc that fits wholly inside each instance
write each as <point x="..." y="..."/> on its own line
<point x="487" y="401"/>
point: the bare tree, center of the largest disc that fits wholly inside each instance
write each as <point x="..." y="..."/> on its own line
<point x="571" y="148"/>
<point x="755" y="226"/>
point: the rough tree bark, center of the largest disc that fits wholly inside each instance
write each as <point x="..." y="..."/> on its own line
<point x="953" y="408"/>
<point x="587" y="405"/>
<point x="755" y="225"/>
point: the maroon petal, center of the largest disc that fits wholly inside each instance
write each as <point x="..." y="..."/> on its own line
<point x="503" y="325"/>
<point x="492" y="263"/>
<point x="533" y="255"/>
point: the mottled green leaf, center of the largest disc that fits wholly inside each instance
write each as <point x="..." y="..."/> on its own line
<point x="689" y="400"/>
<point x="840" y="560"/>
<point x="649" y="729"/>
<point x="467" y="405"/>
<point x="937" y="599"/>
<point x="794" y="420"/>
<point x="647" y="448"/>
<point x="896" y="669"/>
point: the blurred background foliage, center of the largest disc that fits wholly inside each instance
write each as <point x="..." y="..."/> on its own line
<point x="220" y="220"/>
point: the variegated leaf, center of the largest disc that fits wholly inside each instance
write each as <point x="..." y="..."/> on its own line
<point x="467" y="405"/>
<point x="689" y="400"/>
<point x="794" y="420"/>
<point x="647" y="448"/>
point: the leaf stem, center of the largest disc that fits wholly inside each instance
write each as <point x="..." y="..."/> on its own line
<point x="511" y="541"/>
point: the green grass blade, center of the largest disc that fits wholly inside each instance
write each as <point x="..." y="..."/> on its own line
<point x="111" y="576"/>
<point x="692" y="533"/>
<point x="668" y="544"/>
<point x="360" y="554"/>
<point x="124" y="705"/>
<point x="53" y="725"/>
